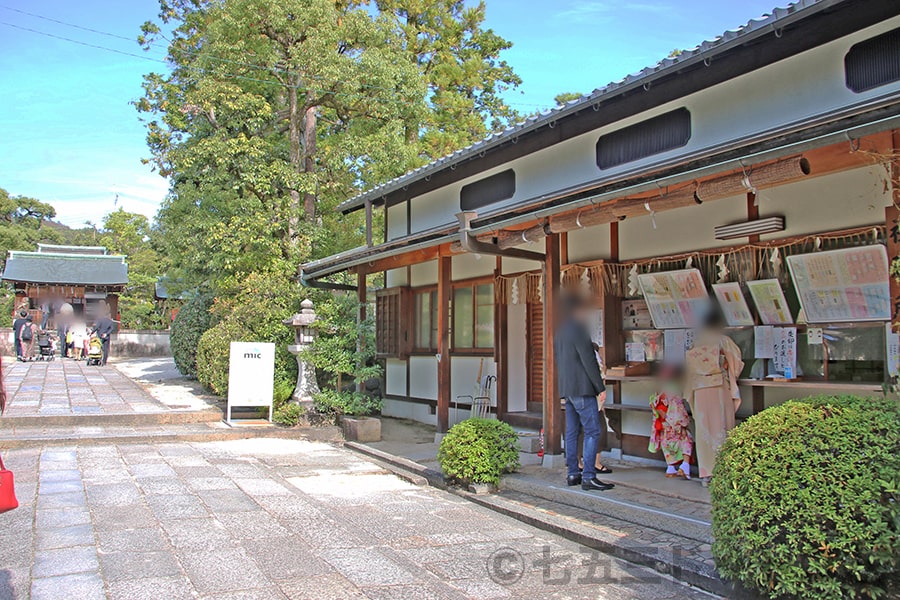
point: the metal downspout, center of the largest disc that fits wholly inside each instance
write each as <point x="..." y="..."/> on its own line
<point x="470" y="244"/>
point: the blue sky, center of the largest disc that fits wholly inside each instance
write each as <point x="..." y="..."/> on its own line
<point x="69" y="136"/>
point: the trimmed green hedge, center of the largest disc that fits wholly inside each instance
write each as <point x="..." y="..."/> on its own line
<point x="806" y="499"/>
<point x="479" y="451"/>
<point x="191" y="322"/>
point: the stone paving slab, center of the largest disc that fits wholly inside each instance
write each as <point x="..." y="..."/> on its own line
<point x="270" y="518"/>
<point x="69" y="387"/>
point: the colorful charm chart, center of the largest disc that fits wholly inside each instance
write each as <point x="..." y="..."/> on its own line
<point x="843" y="285"/>
<point x="676" y="299"/>
<point x="770" y="302"/>
<point x="734" y="305"/>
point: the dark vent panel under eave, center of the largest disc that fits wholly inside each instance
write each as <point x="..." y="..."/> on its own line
<point x="484" y="192"/>
<point x="665" y="132"/>
<point x="873" y="62"/>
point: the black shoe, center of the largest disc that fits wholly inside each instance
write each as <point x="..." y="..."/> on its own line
<point x="596" y="485"/>
<point x="573" y="480"/>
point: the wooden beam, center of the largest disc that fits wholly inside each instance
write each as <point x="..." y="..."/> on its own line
<point x="501" y="343"/>
<point x="443" y="298"/>
<point x="402" y="260"/>
<point x="553" y="417"/>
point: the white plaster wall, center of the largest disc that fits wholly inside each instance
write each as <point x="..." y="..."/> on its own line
<point x="464" y="376"/>
<point x="836" y="201"/>
<point x="424" y="274"/>
<point x="395" y="377"/>
<point x="396" y="221"/>
<point x="422" y="413"/>
<point x="791" y="90"/>
<point x="679" y="230"/>
<point x="590" y="243"/>
<point x="423" y="377"/>
<point x="468" y="266"/>
<point x="517" y="388"/>
<point x="396" y="278"/>
<point x="518" y="265"/>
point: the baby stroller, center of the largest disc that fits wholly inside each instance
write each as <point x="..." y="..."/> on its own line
<point x="45" y="347"/>
<point x="95" y="351"/>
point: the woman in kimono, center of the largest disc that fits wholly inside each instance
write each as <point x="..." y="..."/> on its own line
<point x="670" y="431"/>
<point x="712" y="369"/>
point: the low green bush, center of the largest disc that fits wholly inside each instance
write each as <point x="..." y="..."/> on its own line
<point x="191" y="322"/>
<point x="806" y="499"/>
<point x="331" y="402"/>
<point x="253" y="312"/>
<point x="288" y="414"/>
<point x="479" y="451"/>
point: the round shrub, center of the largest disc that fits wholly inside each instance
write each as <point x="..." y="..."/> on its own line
<point x="806" y="499"/>
<point x="191" y="322"/>
<point x="479" y="451"/>
<point x="253" y="312"/>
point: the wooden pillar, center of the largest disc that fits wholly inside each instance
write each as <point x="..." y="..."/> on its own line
<point x="112" y="302"/>
<point x="443" y="298"/>
<point x="892" y="221"/>
<point x="360" y="317"/>
<point x="553" y="425"/>
<point x="501" y="348"/>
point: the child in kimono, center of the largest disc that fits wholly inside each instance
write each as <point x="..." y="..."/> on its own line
<point x="670" y="431"/>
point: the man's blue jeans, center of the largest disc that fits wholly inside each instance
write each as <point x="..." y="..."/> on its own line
<point x="582" y="412"/>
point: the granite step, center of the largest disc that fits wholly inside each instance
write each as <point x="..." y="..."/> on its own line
<point x="38" y="436"/>
<point x="133" y="419"/>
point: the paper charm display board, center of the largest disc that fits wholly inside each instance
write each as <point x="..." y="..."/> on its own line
<point x="733" y="304"/>
<point x="676" y="299"/>
<point x="843" y="285"/>
<point x="770" y="302"/>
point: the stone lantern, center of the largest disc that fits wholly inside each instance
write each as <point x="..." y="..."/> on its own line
<point x="304" y="335"/>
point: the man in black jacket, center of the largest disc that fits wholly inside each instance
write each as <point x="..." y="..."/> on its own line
<point x="580" y="383"/>
<point x="18" y="324"/>
<point x="104" y="330"/>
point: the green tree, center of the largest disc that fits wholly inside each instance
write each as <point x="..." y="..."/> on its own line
<point x="23" y="223"/>
<point x="462" y="66"/>
<point x="273" y="113"/>
<point x="565" y="97"/>
<point x="130" y="234"/>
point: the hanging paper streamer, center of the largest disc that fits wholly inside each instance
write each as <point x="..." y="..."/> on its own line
<point x="514" y="292"/>
<point x="723" y="269"/>
<point x="585" y="281"/>
<point x="775" y="261"/>
<point x="634" y="286"/>
<point x="689" y="263"/>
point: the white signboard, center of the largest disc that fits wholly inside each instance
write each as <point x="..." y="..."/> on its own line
<point x="251" y="375"/>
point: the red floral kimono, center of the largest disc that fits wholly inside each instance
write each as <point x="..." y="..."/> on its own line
<point x="670" y="428"/>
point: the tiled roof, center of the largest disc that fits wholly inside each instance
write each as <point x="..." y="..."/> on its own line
<point x="703" y="52"/>
<point x="66" y="268"/>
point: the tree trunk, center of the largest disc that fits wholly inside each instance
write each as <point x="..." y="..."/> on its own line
<point x="309" y="162"/>
<point x="294" y="126"/>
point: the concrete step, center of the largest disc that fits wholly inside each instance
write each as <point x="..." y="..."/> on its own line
<point x="535" y="407"/>
<point x="131" y="419"/>
<point x="529" y="441"/>
<point x="26" y="437"/>
<point x="525" y="420"/>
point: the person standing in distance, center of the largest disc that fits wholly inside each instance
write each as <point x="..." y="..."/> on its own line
<point x="580" y="383"/>
<point x="18" y="324"/>
<point x="104" y="330"/>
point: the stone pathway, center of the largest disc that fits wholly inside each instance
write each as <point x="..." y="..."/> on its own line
<point x="650" y="518"/>
<point x="67" y="387"/>
<point x="259" y="519"/>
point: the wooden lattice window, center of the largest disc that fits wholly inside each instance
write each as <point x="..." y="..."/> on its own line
<point x="392" y="319"/>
